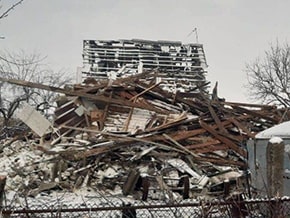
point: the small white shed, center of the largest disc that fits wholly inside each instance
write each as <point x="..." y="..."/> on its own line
<point x="257" y="149"/>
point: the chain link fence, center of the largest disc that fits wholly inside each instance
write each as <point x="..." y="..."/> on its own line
<point x="276" y="207"/>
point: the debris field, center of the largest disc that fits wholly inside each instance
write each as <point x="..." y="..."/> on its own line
<point x="129" y="136"/>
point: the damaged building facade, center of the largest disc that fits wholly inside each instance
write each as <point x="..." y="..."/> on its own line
<point x="181" y="67"/>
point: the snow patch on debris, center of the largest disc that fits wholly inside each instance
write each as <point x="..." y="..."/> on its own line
<point x="276" y="140"/>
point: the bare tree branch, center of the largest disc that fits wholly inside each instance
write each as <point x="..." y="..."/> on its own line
<point x="5" y="13"/>
<point x="30" y="68"/>
<point x="19" y="60"/>
<point x="268" y="78"/>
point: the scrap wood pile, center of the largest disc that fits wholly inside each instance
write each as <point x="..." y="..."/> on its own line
<point x="131" y="136"/>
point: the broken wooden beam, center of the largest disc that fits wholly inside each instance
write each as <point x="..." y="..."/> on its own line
<point x="78" y="93"/>
<point x="226" y="141"/>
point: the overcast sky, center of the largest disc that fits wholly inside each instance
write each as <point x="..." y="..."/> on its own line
<point x="233" y="32"/>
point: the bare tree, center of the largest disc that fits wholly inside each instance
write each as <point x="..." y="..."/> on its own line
<point x="30" y="68"/>
<point x="269" y="76"/>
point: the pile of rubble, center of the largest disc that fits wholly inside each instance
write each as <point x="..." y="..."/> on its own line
<point x="130" y="136"/>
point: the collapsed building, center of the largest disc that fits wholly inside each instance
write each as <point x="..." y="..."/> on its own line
<point x="136" y="131"/>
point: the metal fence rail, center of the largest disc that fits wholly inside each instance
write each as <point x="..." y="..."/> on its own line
<point x="278" y="207"/>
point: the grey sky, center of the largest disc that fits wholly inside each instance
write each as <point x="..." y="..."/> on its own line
<point x="233" y="32"/>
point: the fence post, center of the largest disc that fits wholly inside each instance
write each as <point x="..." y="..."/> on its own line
<point x="275" y="167"/>
<point x="275" y="171"/>
<point x="2" y="187"/>
<point x="238" y="207"/>
<point x="131" y="181"/>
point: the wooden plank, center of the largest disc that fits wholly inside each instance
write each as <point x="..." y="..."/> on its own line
<point x="145" y="188"/>
<point x="210" y="148"/>
<point x="179" y="145"/>
<point x="131" y="182"/>
<point x="144" y="91"/>
<point x="169" y="124"/>
<point x="181" y="135"/>
<point x="127" y="139"/>
<point x="186" y="134"/>
<point x="255" y="114"/>
<point x="65" y="117"/>
<point x="77" y="93"/>
<point x="226" y="141"/>
<point x="75" y="121"/>
<point x="163" y="186"/>
<point x="91" y="89"/>
<point x="202" y="145"/>
<point x="242" y="127"/>
<point x="92" y="152"/>
<point x="65" y="107"/>
<point x="129" y="116"/>
<point x="105" y="114"/>
<point x="271" y="107"/>
<point x="216" y="119"/>
<point x="223" y="162"/>
<point x="186" y="187"/>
